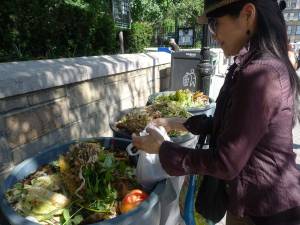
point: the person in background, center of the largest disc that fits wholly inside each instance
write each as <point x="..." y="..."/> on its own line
<point x="298" y="59"/>
<point x="292" y="57"/>
<point x="251" y="144"/>
<point x="174" y="46"/>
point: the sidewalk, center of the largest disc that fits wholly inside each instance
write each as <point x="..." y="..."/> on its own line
<point x="296" y="139"/>
<point x="296" y="136"/>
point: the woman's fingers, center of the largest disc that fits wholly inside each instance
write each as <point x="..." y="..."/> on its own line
<point x="137" y="141"/>
<point x="149" y="143"/>
<point x="142" y="142"/>
<point x="151" y="131"/>
<point x="164" y="122"/>
<point x="157" y="122"/>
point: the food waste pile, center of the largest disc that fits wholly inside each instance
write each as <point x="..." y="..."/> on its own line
<point x="86" y="185"/>
<point x="165" y="105"/>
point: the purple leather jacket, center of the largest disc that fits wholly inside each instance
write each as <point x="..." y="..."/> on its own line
<point x="252" y="131"/>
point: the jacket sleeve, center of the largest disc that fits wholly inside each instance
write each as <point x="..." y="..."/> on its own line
<point x="199" y="124"/>
<point x="255" y="99"/>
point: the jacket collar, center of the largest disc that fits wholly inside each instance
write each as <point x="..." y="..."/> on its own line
<point x="243" y="56"/>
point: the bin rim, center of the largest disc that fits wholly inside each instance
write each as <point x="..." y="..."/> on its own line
<point x="202" y="109"/>
<point x="176" y="139"/>
<point x="126" y="135"/>
<point x="55" y="151"/>
<point x="189" y="109"/>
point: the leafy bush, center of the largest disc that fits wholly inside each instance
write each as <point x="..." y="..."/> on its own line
<point x="40" y="29"/>
<point x="139" y="36"/>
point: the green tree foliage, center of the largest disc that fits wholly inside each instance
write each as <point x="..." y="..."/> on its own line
<point x="166" y="15"/>
<point x="39" y="29"/>
<point x="139" y="36"/>
<point x="152" y="11"/>
<point x="157" y="11"/>
<point x="186" y="11"/>
<point x="55" y="28"/>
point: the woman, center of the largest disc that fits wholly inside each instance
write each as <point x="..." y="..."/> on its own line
<point x="298" y="59"/>
<point x="252" y="126"/>
<point x="292" y="56"/>
<point x="174" y="46"/>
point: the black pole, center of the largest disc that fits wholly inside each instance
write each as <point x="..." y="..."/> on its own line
<point x="204" y="67"/>
<point x="176" y="29"/>
<point x="204" y="42"/>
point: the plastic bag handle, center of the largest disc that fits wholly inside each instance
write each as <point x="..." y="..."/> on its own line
<point x="131" y="150"/>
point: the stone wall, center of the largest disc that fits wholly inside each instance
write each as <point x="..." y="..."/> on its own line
<point x="49" y="102"/>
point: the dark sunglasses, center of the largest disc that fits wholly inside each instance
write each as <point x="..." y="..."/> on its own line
<point x="212" y="25"/>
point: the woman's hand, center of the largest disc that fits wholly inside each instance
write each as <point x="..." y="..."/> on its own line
<point x="150" y="143"/>
<point x="170" y="123"/>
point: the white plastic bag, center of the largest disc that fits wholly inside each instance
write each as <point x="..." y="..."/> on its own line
<point x="149" y="170"/>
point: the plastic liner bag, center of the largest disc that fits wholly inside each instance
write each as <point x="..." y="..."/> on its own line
<point x="169" y="202"/>
<point x="149" y="171"/>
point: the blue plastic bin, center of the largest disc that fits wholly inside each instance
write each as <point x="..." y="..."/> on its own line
<point x="147" y="213"/>
<point x="164" y="49"/>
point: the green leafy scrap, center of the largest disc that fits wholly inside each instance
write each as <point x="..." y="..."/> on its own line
<point x="99" y="172"/>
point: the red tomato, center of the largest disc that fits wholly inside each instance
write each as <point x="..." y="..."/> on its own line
<point x="132" y="200"/>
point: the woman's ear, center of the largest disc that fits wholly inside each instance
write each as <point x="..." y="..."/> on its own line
<point x="248" y="15"/>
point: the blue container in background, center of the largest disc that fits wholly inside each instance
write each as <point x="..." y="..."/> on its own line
<point x="164" y="49"/>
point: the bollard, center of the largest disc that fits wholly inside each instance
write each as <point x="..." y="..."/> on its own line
<point x="204" y="70"/>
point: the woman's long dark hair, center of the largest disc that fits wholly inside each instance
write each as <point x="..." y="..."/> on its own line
<point x="270" y="36"/>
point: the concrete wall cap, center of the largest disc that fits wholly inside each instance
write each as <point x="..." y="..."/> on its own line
<point x="28" y="76"/>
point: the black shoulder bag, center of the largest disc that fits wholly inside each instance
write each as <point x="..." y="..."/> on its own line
<point x="212" y="199"/>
